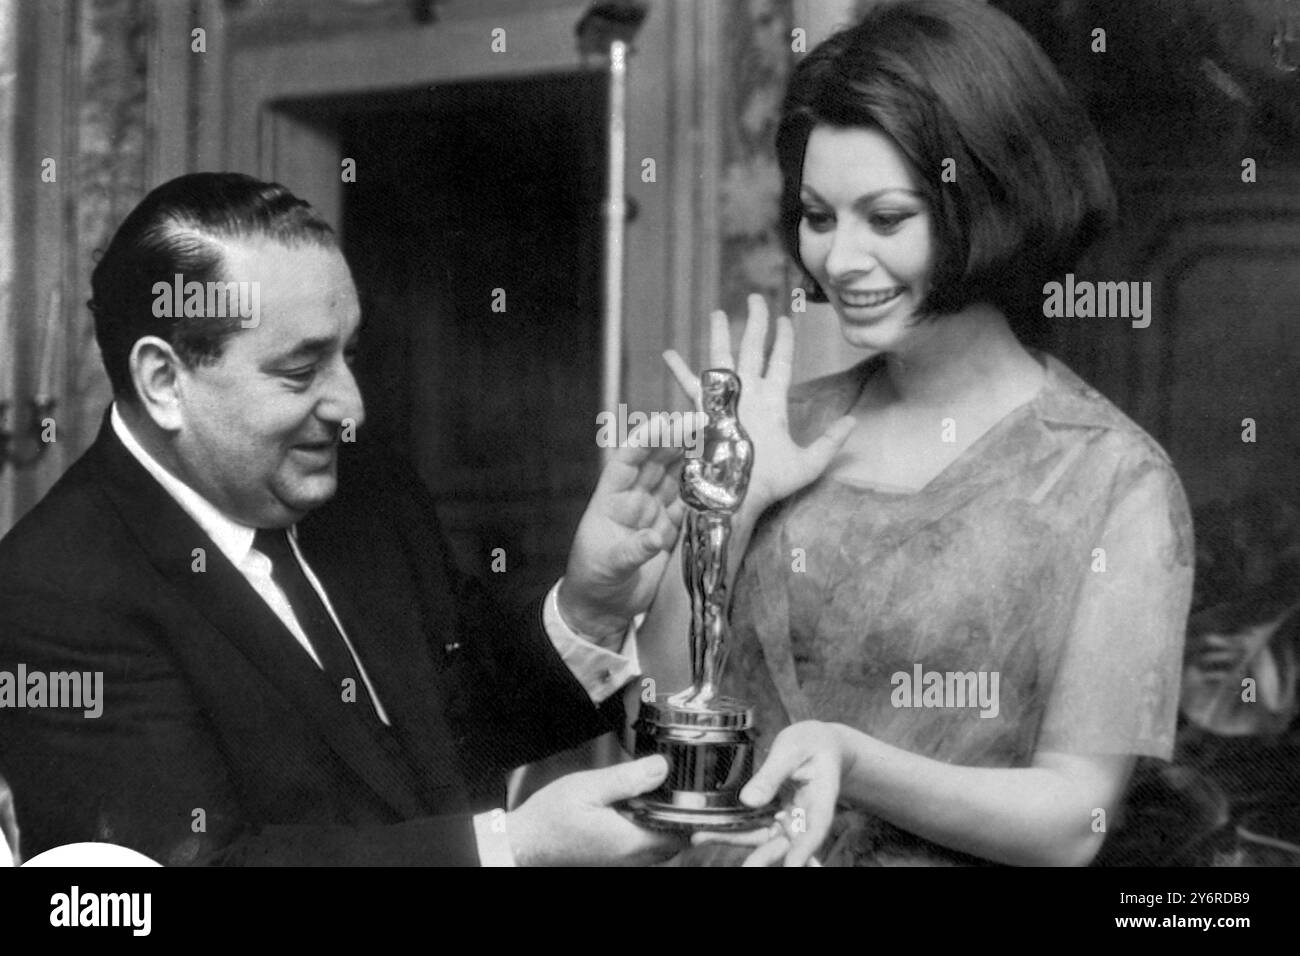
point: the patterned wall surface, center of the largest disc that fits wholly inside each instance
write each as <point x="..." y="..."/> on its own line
<point x="74" y="93"/>
<point x="757" y="61"/>
<point x="111" y="146"/>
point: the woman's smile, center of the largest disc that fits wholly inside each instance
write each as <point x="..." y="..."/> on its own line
<point x="867" y="305"/>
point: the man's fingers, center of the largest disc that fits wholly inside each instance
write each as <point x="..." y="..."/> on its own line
<point x="676" y="512"/>
<point x="612" y="784"/>
<point x="770" y="853"/>
<point x="817" y="802"/>
<point x="754" y="338"/>
<point x="644" y="845"/>
<point x="805" y="845"/>
<point x="737" y="837"/>
<point x="666" y="529"/>
<point x="667" y="489"/>
<point x="650" y="474"/>
<point x="719" y="340"/>
<point x="652" y="440"/>
<point x="651" y="456"/>
<point x="639" y="549"/>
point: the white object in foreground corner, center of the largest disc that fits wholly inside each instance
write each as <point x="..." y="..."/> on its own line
<point x="90" y="854"/>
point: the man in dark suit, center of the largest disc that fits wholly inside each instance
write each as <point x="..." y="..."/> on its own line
<point x="293" y="669"/>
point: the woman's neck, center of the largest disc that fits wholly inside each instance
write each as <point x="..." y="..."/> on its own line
<point x="968" y="356"/>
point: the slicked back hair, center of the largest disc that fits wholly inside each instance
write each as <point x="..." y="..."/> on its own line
<point x="180" y="228"/>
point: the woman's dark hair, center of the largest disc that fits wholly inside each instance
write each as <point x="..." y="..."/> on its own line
<point x="179" y="228"/>
<point x="959" y="80"/>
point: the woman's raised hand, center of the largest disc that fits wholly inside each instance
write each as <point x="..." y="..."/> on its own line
<point x="781" y="467"/>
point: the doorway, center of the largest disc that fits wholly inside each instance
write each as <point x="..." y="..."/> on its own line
<point x="473" y="229"/>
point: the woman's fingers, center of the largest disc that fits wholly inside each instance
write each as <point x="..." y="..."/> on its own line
<point x="783" y="761"/>
<point x="719" y="340"/>
<point x="686" y="379"/>
<point x="754" y="338"/>
<point x="780" y="364"/>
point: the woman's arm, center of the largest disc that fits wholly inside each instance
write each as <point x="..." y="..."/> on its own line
<point x="1053" y="813"/>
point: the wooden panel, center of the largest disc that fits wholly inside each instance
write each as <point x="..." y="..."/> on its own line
<point x="496" y="406"/>
<point x="1232" y="353"/>
<point x="1224" y="262"/>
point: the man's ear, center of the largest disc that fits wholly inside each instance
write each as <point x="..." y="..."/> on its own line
<point x="155" y="371"/>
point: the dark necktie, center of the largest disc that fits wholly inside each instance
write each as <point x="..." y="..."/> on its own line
<point x="312" y="615"/>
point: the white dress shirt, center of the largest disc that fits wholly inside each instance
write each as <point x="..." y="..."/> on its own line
<point x="601" y="672"/>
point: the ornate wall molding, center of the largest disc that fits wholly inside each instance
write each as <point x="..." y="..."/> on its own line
<point x="8" y="250"/>
<point x="78" y="120"/>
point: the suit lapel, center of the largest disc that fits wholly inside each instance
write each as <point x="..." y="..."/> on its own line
<point x="222" y="595"/>
<point x="393" y="620"/>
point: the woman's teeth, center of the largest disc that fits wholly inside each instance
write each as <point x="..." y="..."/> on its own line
<point x="869" y="300"/>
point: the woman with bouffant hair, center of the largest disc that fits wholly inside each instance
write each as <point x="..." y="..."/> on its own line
<point x="966" y="574"/>
<point x="1005" y="160"/>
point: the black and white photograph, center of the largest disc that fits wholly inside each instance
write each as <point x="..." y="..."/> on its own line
<point x="651" y="433"/>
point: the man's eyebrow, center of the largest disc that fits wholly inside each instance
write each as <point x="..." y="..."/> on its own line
<point x="307" y="348"/>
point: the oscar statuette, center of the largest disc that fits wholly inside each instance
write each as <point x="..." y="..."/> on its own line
<point x="707" y="738"/>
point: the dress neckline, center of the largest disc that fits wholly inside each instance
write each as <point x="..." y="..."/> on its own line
<point x="871" y="367"/>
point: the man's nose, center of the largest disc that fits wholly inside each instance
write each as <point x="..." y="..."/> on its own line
<point x="342" y="402"/>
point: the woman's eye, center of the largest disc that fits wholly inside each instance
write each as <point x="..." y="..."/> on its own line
<point x="889" y="221"/>
<point x="817" y="219"/>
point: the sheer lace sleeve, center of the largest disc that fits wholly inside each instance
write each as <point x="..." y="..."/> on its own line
<point x="1116" y="689"/>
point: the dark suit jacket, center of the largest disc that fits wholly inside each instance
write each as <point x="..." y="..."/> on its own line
<point x="220" y="741"/>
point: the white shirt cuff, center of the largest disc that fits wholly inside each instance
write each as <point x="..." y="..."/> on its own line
<point x="601" y="672"/>
<point x="493" y="840"/>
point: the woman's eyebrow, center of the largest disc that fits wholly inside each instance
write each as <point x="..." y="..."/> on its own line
<point x="810" y="193"/>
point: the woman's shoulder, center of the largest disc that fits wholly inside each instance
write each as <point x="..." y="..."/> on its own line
<point x="1068" y="404"/>
<point x="1111" y="450"/>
